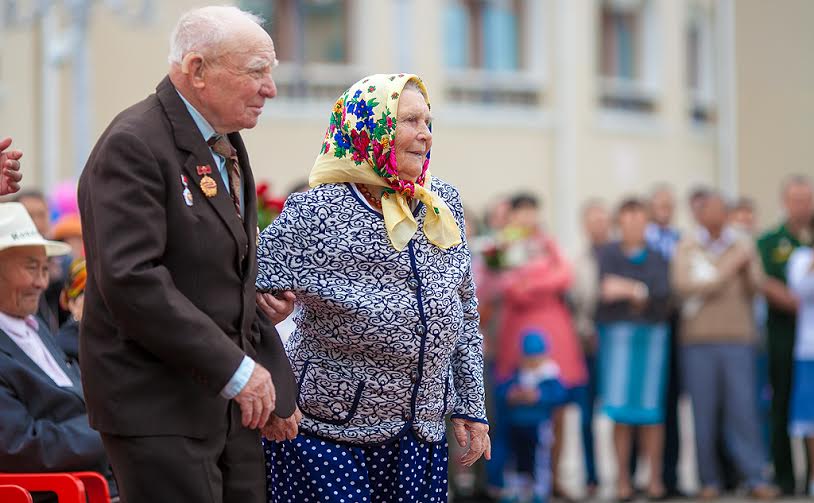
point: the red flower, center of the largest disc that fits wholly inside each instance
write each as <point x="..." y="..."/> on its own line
<point x="378" y="154"/>
<point x="361" y="142"/>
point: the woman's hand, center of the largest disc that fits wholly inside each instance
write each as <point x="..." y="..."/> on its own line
<point x="276" y="308"/>
<point x="474" y="437"/>
<point x="279" y="429"/>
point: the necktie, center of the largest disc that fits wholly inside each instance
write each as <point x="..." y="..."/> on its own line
<point x="221" y="146"/>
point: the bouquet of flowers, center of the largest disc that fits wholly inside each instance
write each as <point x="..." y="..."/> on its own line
<point x="507" y="249"/>
<point x="268" y="207"/>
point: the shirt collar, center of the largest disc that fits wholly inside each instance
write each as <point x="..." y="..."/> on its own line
<point x="17" y="326"/>
<point x="206" y="129"/>
<point x="725" y="240"/>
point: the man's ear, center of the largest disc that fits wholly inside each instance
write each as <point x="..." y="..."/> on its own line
<point x="193" y="67"/>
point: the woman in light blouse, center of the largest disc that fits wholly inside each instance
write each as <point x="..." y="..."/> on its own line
<point x="387" y="341"/>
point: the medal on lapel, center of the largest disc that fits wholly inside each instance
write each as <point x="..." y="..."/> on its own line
<point x="187" y="193"/>
<point x="208" y="185"/>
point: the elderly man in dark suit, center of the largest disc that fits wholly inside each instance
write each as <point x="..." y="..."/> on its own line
<point x="43" y="422"/>
<point x="180" y="367"/>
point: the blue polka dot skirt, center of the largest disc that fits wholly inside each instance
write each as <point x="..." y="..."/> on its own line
<point x="310" y="470"/>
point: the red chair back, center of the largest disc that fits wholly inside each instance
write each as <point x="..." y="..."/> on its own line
<point x="67" y="487"/>
<point x="14" y="494"/>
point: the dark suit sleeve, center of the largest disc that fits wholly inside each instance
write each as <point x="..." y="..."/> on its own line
<point x="271" y="355"/>
<point x="128" y="220"/>
<point x="36" y="445"/>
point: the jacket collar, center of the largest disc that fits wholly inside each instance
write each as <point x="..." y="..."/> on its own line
<point x="188" y="137"/>
<point x="11" y="348"/>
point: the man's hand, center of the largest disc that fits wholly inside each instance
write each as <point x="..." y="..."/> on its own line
<point x="10" y="175"/>
<point x="257" y="398"/>
<point x="279" y="429"/>
<point x="474" y="437"/>
<point x="277" y="309"/>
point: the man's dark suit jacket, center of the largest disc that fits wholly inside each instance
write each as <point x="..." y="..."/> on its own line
<point x="43" y="427"/>
<point x="170" y="305"/>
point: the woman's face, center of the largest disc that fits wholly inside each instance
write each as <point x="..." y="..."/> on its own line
<point x="413" y="136"/>
<point x="632" y="224"/>
<point x="526" y="217"/>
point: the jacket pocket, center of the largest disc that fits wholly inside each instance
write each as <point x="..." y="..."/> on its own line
<point x="328" y="396"/>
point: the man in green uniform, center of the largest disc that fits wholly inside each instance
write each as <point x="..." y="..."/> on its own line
<point x="775" y="248"/>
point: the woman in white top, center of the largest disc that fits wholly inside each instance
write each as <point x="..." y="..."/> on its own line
<point x="801" y="417"/>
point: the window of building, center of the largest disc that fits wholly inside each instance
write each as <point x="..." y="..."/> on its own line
<point x="313" y="44"/>
<point x="628" y="55"/>
<point x="487" y="52"/>
<point x="700" y="64"/>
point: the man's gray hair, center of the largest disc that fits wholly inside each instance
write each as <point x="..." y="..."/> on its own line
<point x="203" y="29"/>
<point x="794" y="180"/>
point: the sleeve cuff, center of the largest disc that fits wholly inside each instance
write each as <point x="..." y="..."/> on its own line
<point x="239" y="379"/>
<point x="469" y="418"/>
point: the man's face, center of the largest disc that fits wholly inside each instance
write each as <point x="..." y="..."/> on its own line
<point x="238" y="82"/>
<point x="799" y="203"/>
<point x="23" y="277"/>
<point x="743" y="218"/>
<point x="713" y="213"/>
<point x="662" y="206"/>
<point x="38" y="209"/>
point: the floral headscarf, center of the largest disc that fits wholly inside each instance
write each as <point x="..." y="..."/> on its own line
<point x="358" y="148"/>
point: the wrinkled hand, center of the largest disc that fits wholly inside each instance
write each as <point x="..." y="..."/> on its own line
<point x="279" y="429"/>
<point x="10" y="175"/>
<point x="474" y="437"/>
<point x="257" y="398"/>
<point x="276" y="309"/>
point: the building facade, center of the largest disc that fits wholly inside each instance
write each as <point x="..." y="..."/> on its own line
<point x="568" y="99"/>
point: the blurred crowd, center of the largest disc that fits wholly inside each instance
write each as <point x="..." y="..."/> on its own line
<point x="645" y="313"/>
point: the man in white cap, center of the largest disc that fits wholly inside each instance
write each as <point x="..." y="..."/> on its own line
<point x="43" y="422"/>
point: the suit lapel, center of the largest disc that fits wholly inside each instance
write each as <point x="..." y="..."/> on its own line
<point x="188" y="138"/>
<point x="59" y="356"/>
<point x="11" y="348"/>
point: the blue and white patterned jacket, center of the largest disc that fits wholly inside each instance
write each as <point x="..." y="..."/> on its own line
<point x="385" y="340"/>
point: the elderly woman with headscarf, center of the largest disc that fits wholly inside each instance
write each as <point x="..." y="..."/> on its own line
<point x="387" y="341"/>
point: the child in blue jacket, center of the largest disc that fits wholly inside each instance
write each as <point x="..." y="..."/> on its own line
<point x="529" y="398"/>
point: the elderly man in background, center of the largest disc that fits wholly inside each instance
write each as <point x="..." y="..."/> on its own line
<point x="43" y="422"/>
<point x="776" y="246"/>
<point x="717" y="272"/>
<point x="10" y="175"/>
<point x="176" y="358"/>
